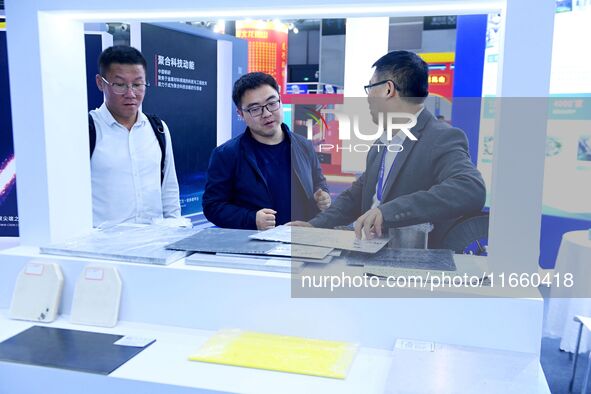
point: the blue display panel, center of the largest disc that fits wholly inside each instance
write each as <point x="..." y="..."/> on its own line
<point x="182" y="72"/>
<point x="93" y="44"/>
<point x="469" y="63"/>
<point x="8" y="205"/>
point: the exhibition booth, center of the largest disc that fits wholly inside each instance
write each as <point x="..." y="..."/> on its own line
<point x="483" y="336"/>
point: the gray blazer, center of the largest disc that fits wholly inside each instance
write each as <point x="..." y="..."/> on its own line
<point x="432" y="180"/>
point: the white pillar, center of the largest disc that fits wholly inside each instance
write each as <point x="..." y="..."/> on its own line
<point x="520" y="134"/>
<point x="366" y="40"/>
<point x="49" y="115"/>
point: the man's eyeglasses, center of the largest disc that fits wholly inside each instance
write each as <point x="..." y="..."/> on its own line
<point x="121" y="88"/>
<point x="371" y="85"/>
<point x="258" y="111"/>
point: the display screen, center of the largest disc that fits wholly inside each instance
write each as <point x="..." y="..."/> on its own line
<point x="182" y="72"/>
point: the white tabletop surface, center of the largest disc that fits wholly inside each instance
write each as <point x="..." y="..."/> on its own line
<point x="446" y="369"/>
<point x="166" y="362"/>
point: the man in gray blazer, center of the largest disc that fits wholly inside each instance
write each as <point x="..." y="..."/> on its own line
<point x="430" y="180"/>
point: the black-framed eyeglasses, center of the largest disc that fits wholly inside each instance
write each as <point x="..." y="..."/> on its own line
<point x="371" y="85"/>
<point x="258" y="111"/>
<point x="121" y="88"/>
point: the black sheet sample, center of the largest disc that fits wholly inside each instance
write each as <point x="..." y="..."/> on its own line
<point x="426" y="259"/>
<point x="224" y="240"/>
<point x="67" y="349"/>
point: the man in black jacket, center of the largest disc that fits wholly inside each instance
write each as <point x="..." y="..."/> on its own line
<point x="266" y="176"/>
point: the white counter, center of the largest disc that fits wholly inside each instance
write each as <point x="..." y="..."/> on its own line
<point x="182" y="305"/>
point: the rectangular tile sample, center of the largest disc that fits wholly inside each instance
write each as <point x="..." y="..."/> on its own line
<point x="75" y="350"/>
<point x="278" y="353"/>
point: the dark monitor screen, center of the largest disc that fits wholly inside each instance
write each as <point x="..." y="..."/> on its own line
<point x="303" y="73"/>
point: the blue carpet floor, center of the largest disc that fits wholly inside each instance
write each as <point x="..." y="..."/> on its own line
<point x="558" y="367"/>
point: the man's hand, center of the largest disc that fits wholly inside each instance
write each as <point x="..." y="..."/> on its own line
<point x="265" y="219"/>
<point x="322" y="199"/>
<point x="370" y="224"/>
<point x="299" y="223"/>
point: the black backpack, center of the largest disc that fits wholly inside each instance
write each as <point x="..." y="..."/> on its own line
<point x="157" y="127"/>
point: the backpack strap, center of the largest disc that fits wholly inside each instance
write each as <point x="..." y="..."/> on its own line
<point x="158" y="129"/>
<point x="91" y="134"/>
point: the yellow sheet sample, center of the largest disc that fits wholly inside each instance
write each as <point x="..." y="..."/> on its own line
<point x="278" y="353"/>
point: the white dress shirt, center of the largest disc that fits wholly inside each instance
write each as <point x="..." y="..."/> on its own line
<point x="125" y="172"/>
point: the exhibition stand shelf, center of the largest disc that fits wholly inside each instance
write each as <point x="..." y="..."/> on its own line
<point x="163" y="367"/>
<point x="181" y="306"/>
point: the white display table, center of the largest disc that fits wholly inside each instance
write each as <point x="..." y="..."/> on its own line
<point x="574" y="257"/>
<point x="163" y="367"/>
<point x="165" y="363"/>
<point x="8" y="242"/>
<point x="182" y="305"/>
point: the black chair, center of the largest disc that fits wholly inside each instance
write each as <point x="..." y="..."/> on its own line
<point x="469" y="235"/>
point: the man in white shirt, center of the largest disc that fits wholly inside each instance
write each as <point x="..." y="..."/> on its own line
<point x="129" y="183"/>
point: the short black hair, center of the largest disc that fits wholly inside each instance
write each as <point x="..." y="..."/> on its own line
<point x="121" y="54"/>
<point x="409" y="73"/>
<point x="251" y="81"/>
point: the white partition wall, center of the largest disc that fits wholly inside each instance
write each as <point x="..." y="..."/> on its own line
<point x="48" y="98"/>
<point x="366" y="41"/>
